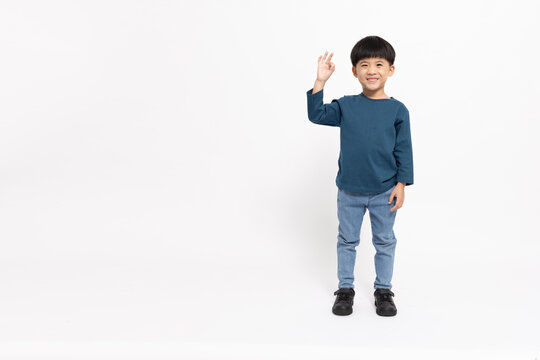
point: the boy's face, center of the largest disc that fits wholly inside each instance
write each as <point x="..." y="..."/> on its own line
<point x="373" y="72"/>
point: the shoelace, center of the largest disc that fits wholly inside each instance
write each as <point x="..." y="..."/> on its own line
<point x="386" y="296"/>
<point x="343" y="296"/>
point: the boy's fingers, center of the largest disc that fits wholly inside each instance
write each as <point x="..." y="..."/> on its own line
<point x="324" y="55"/>
<point x="399" y="204"/>
<point x="328" y="60"/>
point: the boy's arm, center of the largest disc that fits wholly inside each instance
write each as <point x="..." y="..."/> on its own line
<point x="320" y="113"/>
<point x="403" y="148"/>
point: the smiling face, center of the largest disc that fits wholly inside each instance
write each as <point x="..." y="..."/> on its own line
<point x="372" y="74"/>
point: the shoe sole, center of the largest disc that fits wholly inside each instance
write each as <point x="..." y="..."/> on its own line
<point x="342" y="314"/>
<point x="384" y="314"/>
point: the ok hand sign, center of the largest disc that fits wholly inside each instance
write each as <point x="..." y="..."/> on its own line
<point x="325" y="67"/>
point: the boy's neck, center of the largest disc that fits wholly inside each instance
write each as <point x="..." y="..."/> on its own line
<point x="375" y="94"/>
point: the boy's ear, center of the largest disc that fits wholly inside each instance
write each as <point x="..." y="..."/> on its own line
<point x="354" y="71"/>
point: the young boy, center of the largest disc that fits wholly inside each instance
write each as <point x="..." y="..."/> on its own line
<point x="375" y="164"/>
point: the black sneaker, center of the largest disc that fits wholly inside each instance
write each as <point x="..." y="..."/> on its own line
<point x="384" y="302"/>
<point x="344" y="301"/>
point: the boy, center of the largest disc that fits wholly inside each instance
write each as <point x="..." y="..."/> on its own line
<point x="375" y="164"/>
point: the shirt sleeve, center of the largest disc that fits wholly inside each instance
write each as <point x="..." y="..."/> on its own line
<point x="320" y="113"/>
<point x="403" y="148"/>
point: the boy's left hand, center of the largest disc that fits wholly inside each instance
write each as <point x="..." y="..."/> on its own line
<point x="399" y="194"/>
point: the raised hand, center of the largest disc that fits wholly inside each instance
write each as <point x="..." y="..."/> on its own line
<point x="325" y="67"/>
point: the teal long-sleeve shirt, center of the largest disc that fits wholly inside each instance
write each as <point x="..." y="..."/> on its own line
<point x="375" y="140"/>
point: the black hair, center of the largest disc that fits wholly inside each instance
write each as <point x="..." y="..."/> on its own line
<point x="372" y="46"/>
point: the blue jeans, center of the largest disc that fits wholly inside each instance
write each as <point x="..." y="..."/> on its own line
<point x="351" y="210"/>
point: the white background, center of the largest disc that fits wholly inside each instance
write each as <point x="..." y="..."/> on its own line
<point x="164" y="195"/>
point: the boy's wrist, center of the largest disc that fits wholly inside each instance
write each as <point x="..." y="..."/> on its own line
<point x="319" y="85"/>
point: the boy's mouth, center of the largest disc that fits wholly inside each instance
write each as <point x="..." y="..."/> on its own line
<point x="372" y="80"/>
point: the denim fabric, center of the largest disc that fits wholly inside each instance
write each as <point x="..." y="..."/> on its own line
<point x="351" y="210"/>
